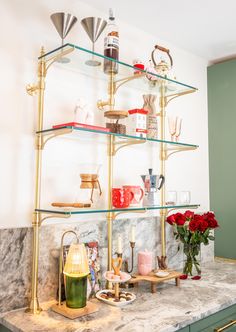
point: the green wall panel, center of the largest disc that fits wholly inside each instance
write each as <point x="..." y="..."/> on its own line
<point x="3" y="329"/>
<point x="222" y="153"/>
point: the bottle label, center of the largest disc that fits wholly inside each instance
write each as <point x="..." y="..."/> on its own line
<point x="111" y="42"/>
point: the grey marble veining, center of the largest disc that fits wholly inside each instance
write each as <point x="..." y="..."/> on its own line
<point x="170" y="309"/>
<point x="15" y="258"/>
<point x="16" y="248"/>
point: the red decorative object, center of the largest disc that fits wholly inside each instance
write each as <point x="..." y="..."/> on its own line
<point x="193" y="223"/>
<point x="138" y="64"/>
<point x="183" y="276"/>
<point x="138" y="194"/>
<point x="81" y="125"/>
<point x="196" y="278"/>
<point x="121" y="197"/>
<point x="138" y="111"/>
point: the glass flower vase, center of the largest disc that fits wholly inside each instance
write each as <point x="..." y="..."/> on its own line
<point x="192" y="260"/>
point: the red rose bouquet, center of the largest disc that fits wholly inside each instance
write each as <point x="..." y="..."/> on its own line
<point x="192" y="230"/>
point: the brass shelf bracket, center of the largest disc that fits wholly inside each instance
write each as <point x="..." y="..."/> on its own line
<point x="61" y="54"/>
<point x="113" y="86"/>
<point x="40" y="217"/>
<point x="179" y="208"/>
<point x="118" y="145"/>
<point x="168" y="151"/>
<point x="175" y="95"/>
<point x="42" y="139"/>
<point x="56" y="215"/>
<point x="115" y="215"/>
<point x="120" y="82"/>
<point x="32" y="89"/>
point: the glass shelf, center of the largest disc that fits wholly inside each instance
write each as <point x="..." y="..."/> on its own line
<point x="79" y="55"/>
<point x="71" y="211"/>
<point x="84" y="133"/>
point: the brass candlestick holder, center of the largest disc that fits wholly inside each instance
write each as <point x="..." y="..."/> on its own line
<point x="132" y="245"/>
<point x="162" y="262"/>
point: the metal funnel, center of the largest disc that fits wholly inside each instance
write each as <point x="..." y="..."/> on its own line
<point x="93" y="26"/>
<point x="63" y="23"/>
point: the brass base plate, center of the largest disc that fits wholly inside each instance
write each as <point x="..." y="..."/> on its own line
<point x="116" y="114"/>
<point x="75" y="313"/>
<point x="31" y="311"/>
<point x="154" y="280"/>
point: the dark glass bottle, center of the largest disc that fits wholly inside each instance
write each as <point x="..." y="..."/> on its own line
<point x="111" y="46"/>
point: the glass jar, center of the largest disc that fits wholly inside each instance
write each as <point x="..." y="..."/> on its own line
<point x="76" y="291"/>
<point x="192" y="259"/>
<point x="89" y="191"/>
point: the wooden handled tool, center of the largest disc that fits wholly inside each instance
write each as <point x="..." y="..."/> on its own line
<point x="74" y="205"/>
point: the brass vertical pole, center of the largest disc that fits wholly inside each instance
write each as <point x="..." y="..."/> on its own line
<point x="110" y="152"/>
<point x="34" y="304"/>
<point x="111" y="91"/>
<point x="162" y="158"/>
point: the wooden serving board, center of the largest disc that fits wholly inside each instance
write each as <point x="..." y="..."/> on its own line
<point x="75" y="313"/>
<point x="154" y="280"/>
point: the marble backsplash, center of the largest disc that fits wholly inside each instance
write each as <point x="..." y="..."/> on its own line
<point x="16" y="254"/>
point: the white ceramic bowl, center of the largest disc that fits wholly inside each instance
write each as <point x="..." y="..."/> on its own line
<point x="162" y="274"/>
<point x="115" y="304"/>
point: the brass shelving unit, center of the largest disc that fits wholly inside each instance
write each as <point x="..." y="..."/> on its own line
<point x="167" y="89"/>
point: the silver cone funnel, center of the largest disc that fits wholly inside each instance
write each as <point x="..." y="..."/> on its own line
<point x="93" y="26"/>
<point x="63" y="23"/>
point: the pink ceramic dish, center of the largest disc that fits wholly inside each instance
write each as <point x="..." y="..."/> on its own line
<point x="110" y="276"/>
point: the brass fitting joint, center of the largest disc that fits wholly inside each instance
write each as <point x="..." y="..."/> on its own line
<point x="39" y="144"/>
<point x="101" y="104"/>
<point x="36" y="219"/>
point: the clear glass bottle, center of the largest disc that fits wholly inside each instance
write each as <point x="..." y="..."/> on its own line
<point x="111" y="45"/>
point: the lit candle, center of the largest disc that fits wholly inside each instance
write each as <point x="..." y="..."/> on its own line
<point x="119" y="245"/>
<point x="132" y="234"/>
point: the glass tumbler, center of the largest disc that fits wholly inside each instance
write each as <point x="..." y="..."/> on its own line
<point x="171" y="198"/>
<point x="184" y="197"/>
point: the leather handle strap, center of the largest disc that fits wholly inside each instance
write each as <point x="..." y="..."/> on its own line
<point x="162" y="49"/>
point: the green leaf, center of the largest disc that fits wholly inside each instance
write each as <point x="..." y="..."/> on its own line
<point x="185" y="238"/>
<point x="210" y="237"/>
<point x="180" y="230"/>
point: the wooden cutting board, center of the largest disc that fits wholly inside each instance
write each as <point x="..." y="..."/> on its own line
<point x="154" y="280"/>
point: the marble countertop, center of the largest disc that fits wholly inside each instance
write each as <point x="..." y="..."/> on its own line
<point x="170" y="309"/>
